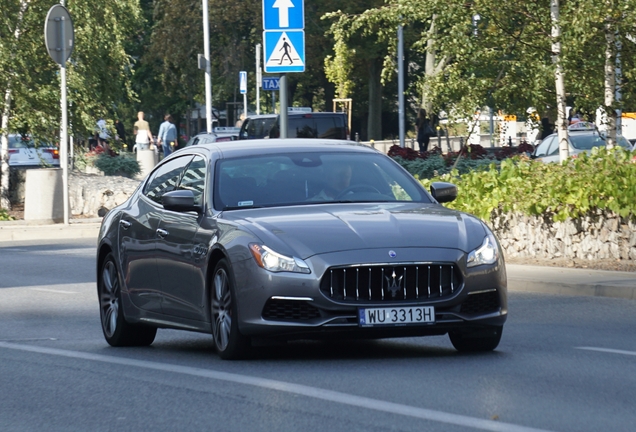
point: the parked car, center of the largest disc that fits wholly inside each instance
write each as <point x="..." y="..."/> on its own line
<point x="327" y="125"/>
<point x="580" y="140"/>
<point x="23" y="152"/>
<point x="217" y="135"/>
<point x="302" y="238"/>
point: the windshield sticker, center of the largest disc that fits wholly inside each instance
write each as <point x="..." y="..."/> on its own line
<point x="245" y="203"/>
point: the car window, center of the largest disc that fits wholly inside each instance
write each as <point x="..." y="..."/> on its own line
<point x="554" y="147"/>
<point x="542" y="149"/>
<point x="194" y="179"/>
<point x="311" y="178"/>
<point x="330" y="127"/>
<point x="587" y="141"/>
<point x="165" y="178"/>
<point x="256" y="128"/>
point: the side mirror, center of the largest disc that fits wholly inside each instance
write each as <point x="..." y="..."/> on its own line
<point x="443" y="192"/>
<point x="180" y="201"/>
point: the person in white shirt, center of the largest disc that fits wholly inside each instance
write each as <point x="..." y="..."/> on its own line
<point x="143" y="136"/>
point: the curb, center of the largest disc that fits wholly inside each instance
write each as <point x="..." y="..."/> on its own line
<point x="571" y="282"/>
<point x="88" y="228"/>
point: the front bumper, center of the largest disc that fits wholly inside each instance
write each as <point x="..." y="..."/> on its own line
<point x="292" y="305"/>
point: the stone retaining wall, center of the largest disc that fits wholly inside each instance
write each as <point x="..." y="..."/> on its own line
<point x="92" y="195"/>
<point x="601" y="235"/>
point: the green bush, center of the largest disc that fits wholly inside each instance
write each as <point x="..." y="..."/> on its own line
<point x="4" y="216"/>
<point x="123" y="165"/>
<point x="603" y="180"/>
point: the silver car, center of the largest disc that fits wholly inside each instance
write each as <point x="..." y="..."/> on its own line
<point x="297" y="238"/>
<point x="579" y="140"/>
<point x="23" y="152"/>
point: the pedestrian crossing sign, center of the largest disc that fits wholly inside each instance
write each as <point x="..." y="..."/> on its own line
<point x="284" y="51"/>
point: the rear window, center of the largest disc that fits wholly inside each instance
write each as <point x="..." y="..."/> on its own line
<point x="257" y="128"/>
<point x="588" y="142"/>
<point x="312" y="126"/>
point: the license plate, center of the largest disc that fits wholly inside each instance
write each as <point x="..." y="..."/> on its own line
<point x="392" y="316"/>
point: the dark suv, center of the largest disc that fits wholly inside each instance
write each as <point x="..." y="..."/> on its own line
<point x="299" y="125"/>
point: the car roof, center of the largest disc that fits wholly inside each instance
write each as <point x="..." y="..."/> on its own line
<point x="271" y="146"/>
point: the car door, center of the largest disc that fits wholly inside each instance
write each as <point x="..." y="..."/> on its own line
<point x="138" y="235"/>
<point x="179" y="256"/>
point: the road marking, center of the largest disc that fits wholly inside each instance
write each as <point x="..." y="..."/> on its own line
<point x="77" y="251"/>
<point x="54" y="291"/>
<point x="607" y="350"/>
<point x="282" y="386"/>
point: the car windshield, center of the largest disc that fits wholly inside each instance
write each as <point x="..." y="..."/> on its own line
<point x="312" y="178"/>
<point x="589" y="141"/>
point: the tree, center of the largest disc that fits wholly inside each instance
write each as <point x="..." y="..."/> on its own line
<point x="99" y="70"/>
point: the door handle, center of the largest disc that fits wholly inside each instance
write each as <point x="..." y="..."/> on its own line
<point x="162" y="233"/>
<point x="125" y="224"/>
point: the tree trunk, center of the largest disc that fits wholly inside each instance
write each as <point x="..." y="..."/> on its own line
<point x="6" y="109"/>
<point x="374" y="126"/>
<point x="610" y="84"/>
<point x="559" y="81"/>
<point x="429" y="65"/>
<point x="330" y="92"/>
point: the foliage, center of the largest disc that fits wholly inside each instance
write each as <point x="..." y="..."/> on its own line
<point x="604" y="180"/>
<point x="98" y="72"/>
<point x="123" y="165"/>
<point x="4" y="216"/>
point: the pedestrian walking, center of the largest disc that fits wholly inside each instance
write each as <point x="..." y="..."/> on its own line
<point x="121" y="133"/>
<point x="167" y="135"/>
<point x="102" y="134"/>
<point x="424" y="130"/>
<point x="143" y="136"/>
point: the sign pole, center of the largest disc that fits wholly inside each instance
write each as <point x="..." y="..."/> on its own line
<point x="258" y="79"/>
<point x="400" y="37"/>
<point x="208" y="79"/>
<point x="64" y="137"/>
<point x="283" y="105"/>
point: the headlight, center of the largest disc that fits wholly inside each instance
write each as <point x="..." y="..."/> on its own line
<point x="275" y="262"/>
<point x="487" y="253"/>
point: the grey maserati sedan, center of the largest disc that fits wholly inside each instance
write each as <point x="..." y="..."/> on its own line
<point x="296" y="239"/>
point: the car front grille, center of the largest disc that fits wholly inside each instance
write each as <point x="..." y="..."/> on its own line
<point x="289" y="310"/>
<point x="481" y="302"/>
<point x="389" y="283"/>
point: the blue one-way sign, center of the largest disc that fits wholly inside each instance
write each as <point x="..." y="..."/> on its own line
<point x="271" y="83"/>
<point x="283" y="14"/>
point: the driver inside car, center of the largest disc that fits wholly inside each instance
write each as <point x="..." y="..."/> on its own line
<point x="338" y="178"/>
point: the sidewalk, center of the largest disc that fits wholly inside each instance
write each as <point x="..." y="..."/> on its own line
<point x="24" y="231"/>
<point x="528" y="278"/>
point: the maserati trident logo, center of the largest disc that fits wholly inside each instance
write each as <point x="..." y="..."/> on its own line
<point x="394" y="284"/>
<point x="392" y="254"/>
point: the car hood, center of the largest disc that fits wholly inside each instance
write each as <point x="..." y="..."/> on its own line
<point x="304" y="231"/>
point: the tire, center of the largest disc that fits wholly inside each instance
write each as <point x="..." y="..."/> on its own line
<point x="230" y="344"/>
<point x="117" y="331"/>
<point x="476" y="340"/>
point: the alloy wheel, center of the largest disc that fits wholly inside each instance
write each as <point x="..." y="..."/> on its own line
<point x="221" y="310"/>
<point x="109" y="298"/>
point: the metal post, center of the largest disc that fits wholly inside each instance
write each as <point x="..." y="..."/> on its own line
<point x="617" y="89"/>
<point x="400" y="34"/>
<point x="244" y="105"/>
<point x="258" y="79"/>
<point x="64" y="135"/>
<point x="208" y="79"/>
<point x="283" y="105"/>
<point x="274" y="101"/>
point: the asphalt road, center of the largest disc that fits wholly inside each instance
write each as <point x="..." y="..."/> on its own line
<point x="564" y="364"/>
